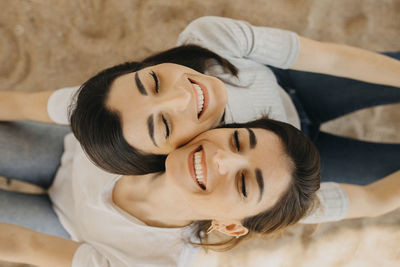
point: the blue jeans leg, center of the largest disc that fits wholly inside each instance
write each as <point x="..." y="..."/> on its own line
<point x="320" y="98"/>
<point x="351" y="161"/>
<point x="31" y="151"/>
<point x="326" y="97"/>
<point x="31" y="211"/>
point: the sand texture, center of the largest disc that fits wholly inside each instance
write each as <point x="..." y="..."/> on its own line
<point x="52" y="44"/>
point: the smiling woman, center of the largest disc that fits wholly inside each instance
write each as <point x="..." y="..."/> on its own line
<point x="166" y="106"/>
<point x="148" y="109"/>
<point x="257" y="177"/>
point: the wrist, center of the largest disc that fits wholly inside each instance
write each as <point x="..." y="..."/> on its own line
<point x="385" y="193"/>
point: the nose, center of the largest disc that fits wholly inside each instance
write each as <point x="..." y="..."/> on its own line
<point x="226" y="161"/>
<point x="178" y="100"/>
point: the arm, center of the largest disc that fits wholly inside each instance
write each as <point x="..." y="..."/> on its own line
<point x="24" y="106"/>
<point x="22" y="245"/>
<point x="346" y="201"/>
<point x="46" y="106"/>
<point x="375" y="199"/>
<point x="346" y="61"/>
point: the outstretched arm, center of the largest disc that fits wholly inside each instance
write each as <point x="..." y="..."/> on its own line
<point x="346" y="61"/>
<point x="45" y="106"/>
<point x="346" y="201"/>
<point x="22" y="245"/>
<point x="375" y="199"/>
<point x="24" y="106"/>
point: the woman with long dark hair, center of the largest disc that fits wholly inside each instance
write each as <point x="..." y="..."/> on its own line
<point x="258" y="177"/>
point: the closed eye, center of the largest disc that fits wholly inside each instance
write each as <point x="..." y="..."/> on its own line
<point x="243" y="188"/>
<point x="236" y="139"/>
<point x="156" y="82"/>
<point x="167" y="130"/>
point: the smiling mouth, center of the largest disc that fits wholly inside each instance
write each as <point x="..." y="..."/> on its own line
<point x="197" y="167"/>
<point x="202" y="97"/>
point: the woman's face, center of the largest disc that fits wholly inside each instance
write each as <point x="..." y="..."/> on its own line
<point x="166" y="105"/>
<point x="230" y="173"/>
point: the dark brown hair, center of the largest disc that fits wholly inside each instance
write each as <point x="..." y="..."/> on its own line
<point x="299" y="198"/>
<point x="99" y="129"/>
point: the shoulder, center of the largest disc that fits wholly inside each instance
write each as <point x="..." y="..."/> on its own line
<point x="206" y="22"/>
<point x="333" y="204"/>
<point x="216" y="33"/>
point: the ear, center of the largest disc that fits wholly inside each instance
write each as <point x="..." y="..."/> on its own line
<point x="230" y="228"/>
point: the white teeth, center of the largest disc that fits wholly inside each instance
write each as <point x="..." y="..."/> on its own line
<point x="198" y="168"/>
<point x="200" y="98"/>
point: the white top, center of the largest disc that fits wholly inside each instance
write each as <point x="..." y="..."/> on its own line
<point x="249" y="48"/>
<point x="82" y="198"/>
<point x="81" y="191"/>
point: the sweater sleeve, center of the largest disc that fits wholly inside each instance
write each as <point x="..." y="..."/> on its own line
<point x="239" y="39"/>
<point x="59" y="102"/>
<point x="333" y="206"/>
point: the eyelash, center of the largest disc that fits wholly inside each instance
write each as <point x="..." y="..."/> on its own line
<point x="154" y="75"/>
<point x="242" y="176"/>
<point x="243" y="187"/>
<point x="167" y="130"/>
<point x="156" y="89"/>
<point x="236" y="139"/>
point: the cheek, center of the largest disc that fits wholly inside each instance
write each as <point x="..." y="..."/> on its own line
<point x="222" y="93"/>
<point x="186" y="131"/>
<point x="218" y="204"/>
<point x="205" y="206"/>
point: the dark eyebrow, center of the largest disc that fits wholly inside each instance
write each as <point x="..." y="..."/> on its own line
<point x="252" y="138"/>
<point x="139" y="85"/>
<point x="260" y="182"/>
<point x="150" y="126"/>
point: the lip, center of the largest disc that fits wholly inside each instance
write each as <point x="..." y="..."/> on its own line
<point x="191" y="167"/>
<point x="206" y="97"/>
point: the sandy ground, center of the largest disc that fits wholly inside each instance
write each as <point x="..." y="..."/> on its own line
<point x="51" y="44"/>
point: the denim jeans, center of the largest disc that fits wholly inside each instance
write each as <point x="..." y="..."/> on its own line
<point x="31" y="152"/>
<point x="319" y="98"/>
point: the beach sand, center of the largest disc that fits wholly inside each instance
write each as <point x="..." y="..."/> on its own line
<point x="47" y="45"/>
